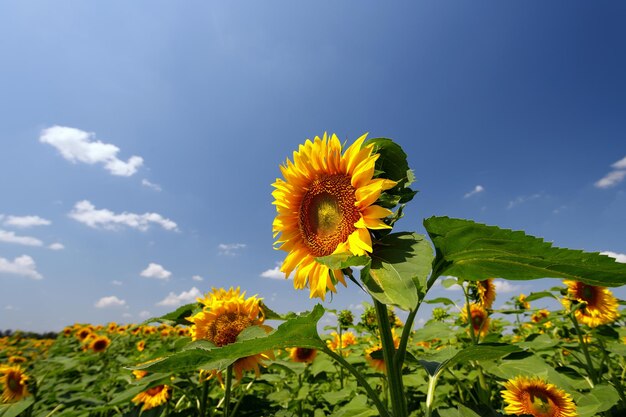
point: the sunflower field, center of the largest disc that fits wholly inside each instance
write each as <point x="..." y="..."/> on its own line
<point x="230" y="354"/>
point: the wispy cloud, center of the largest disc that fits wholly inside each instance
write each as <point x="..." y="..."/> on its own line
<point x="116" y="282"/>
<point x="76" y="145"/>
<point x="185" y="297"/>
<point x="25" y="221"/>
<point x="22" y="265"/>
<point x="146" y="183"/>
<point x="56" y="246"/>
<point x="274" y="273"/>
<point x="615" y="176"/>
<point x="619" y="257"/>
<point x="86" y="213"/>
<point x="11" y="237"/>
<point x="110" y="301"/>
<point x="155" y="271"/>
<point x="505" y="287"/>
<point x="522" y="199"/>
<point x="197" y="278"/>
<point x="230" y="249"/>
<point x="144" y="314"/>
<point x="478" y="189"/>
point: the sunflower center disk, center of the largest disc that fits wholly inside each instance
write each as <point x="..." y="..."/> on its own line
<point x="328" y="213"/>
<point x="227" y="328"/>
<point x="541" y="405"/>
<point x="14" y="383"/>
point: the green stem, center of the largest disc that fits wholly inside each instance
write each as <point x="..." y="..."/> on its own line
<point x="430" y="395"/>
<point x="339" y="346"/>
<point x="394" y="374"/>
<point x="590" y="368"/>
<point x="229" y="383"/>
<point x="204" y="397"/>
<point x="370" y="392"/>
<point x="483" y="390"/>
<point x="406" y="333"/>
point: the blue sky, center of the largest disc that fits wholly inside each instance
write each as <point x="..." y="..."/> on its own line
<point x="525" y="100"/>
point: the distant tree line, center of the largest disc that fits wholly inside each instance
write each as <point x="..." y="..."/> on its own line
<point x="28" y="335"/>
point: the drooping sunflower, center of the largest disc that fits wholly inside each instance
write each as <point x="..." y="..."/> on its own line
<point x="14" y="381"/>
<point x="303" y="355"/>
<point x="226" y="314"/>
<point x="600" y="306"/>
<point x="480" y="319"/>
<point x="533" y="396"/>
<point x="373" y="355"/>
<point x="153" y="397"/>
<point x="325" y="206"/>
<point x="486" y="291"/>
<point x="99" y="344"/>
<point x="521" y="303"/>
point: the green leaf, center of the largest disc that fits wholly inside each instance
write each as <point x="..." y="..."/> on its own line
<point x="335" y="397"/>
<point x="16" y="409"/>
<point x="252" y="332"/>
<point x="440" y="300"/>
<point x="343" y="260"/>
<point x="300" y="331"/>
<point x="538" y="295"/>
<point x="400" y="266"/>
<point x="474" y="251"/>
<point x="269" y="314"/>
<point x="433" y="330"/>
<point x="601" y="398"/>
<point x="392" y="164"/>
<point x="356" y="408"/>
<point x="179" y="316"/>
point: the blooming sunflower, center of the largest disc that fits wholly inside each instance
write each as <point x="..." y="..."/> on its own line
<point x="304" y="355"/>
<point x="141" y="345"/>
<point x="533" y="396"/>
<point x="326" y="206"/>
<point x="15" y="382"/>
<point x="373" y="355"/>
<point x="521" y="303"/>
<point x="600" y="306"/>
<point x="99" y="344"/>
<point x="480" y="318"/>
<point x="346" y="339"/>
<point x="224" y="316"/>
<point x="486" y="292"/>
<point x="153" y="397"/>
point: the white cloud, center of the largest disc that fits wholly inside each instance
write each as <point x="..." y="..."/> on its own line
<point x="111" y="301"/>
<point x="127" y="315"/>
<point x="274" y="273"/>
<point x="230" y="248"/>
<point x="504" y="287"/>
<point x="621" y="164"/>
<point x="26" y="221"/>
<point x="522" y="199"/>
<point x="611" y="179"/>
<point x="11" y="237"/>
<point x="116" y="282"/>
<point x="185" y="297"/>
<point x="76" y="145"/>
<point x="155" y="271"/>
<point x="144" y="314"/>
<point x="476" y="190"/>
<point x="197" y="278"/>
<point x="56" y="246"/>
<point x="86" y="213"/>
<point x="22" y="265"/>
<point x="146" y="183"/>
<point x="619" y="257"/>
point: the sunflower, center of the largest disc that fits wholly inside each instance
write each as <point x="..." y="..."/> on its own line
<point x="533" y="396"/>
<point x="326" y="206"/>
<point x="224" y="316"/>
<point x="304" y="355"/>
<point x="141" y="345"/>
<point x="336" y="343"/>
<point x="486" y="292"/>
<point x="373" y="355"/>
<point x="83" y="333"/>
<point x="15" y="383"/>
<point x="600" y="306"/>
<point x="99" y="344"/>
<point x="153" y="397"/>
<point x="480" y="318"/>
<point x="521" y="303"/>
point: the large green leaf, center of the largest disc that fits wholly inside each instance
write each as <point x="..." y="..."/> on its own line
<point x="400" y="266"/>
<point x="601" y="398"/>
<point x="179" y="316"/>
<point x="16" y="409"/>
<point x="300" y="331"/>
<point x="481" y="352"/>
<point x="475" y="251"/>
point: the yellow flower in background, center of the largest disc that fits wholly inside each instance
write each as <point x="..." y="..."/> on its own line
<point x="373" y="355"/>
<point x="347" y="339"/>
<point x="14" y="382"/>
<point x="83" y="334"/>
<point x="304" y="355"/>
<point x="139" y="373"/>
<point x="486" y="292"/>
<point x="325" y="206"/>
<point x="533" y="396"/>
<point x="480" y="319"/>
<point x="521" y="303"/>
<point x="141" y="345"/>
<point x="99" y="344"/>
<point x="540" y="316"/>
<point x="153" y="397"/>
<point x="225" y="315"/>
<point x="600" y="306"/>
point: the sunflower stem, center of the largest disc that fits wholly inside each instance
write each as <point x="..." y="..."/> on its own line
<point x="382" y="410"/>
<point x="229" y="383"/>
<point x="204" y="397"/>
<point x="394" y="373"/>
<point x="590" y="368"/>
<point x="339" y="346"/>
<point x="483" y="390"/>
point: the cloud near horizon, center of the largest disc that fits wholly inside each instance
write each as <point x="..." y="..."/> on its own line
<point x="185" y="297"/>
<point x="76" y="145"/>
<point x="110" y="301"/>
